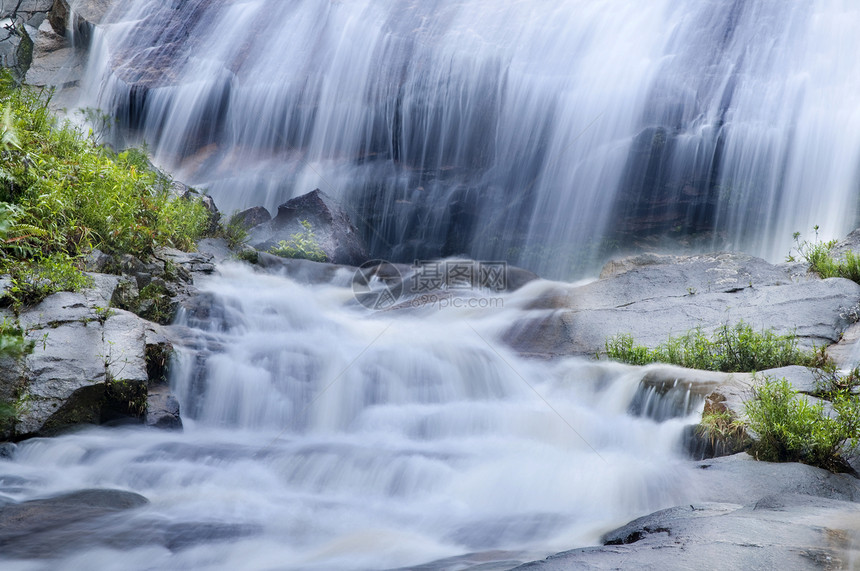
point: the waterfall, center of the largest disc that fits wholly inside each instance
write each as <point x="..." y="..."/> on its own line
<point x="544" y="133"/>
<point x="321" y="435"/>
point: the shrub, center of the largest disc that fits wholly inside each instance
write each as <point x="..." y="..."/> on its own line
<point x="791" y="429"/>
<point x="13" y="344"/>
<point x="301" y="245"/>
<point x="70" y="195"/>
<point x="817" y="255"/>
<point x="235" y="232"/>
<point x="729" y="349"/>
<point x="34" y="280"/>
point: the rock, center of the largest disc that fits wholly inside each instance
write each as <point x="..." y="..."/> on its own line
<point x="16" y="47"/>
<point x="89" y="363"/>
<point x="162" y="409"/>
<point x="747" y="515"/>
<point x="46" y="527"/>
<point x="614" y="268"/>
<point x="332" y="229"/>
<point x="59" y="17"/>
<point x="655" y="302"/>
<point x="97" y="261"/>
<point x="56" y="63"/>
<point x="251" y="217"/>
<point x="846" y="353"/>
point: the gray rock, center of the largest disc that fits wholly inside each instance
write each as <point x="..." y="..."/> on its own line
<point x="124" y="347"/>
<point x="56" y="63"/>
<point x="330" y="224"/>
<point x="43" y="528"/>
<point x="655" y="302"/>
<point x="162" y="409"/>
<point x="752" y="515"/>
<point x="251" y="217"/>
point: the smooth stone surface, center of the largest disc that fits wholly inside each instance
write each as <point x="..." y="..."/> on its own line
<point x="655" y="302"/>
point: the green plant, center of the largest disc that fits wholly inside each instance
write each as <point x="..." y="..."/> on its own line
<point x="34" y="280"/>
<point x="235" y="232"/>
<point x="71" y="195"/>
<point x="817" y="255"/>
<point x="792" y="429"/>
<point x="723" y="432"/>
<point x="300" y="245"/>
<point x="13" y="343"/>
<point x="729" y="349"/>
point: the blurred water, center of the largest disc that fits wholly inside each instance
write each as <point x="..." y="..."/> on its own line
<point x="320" y="435"/>
<point x="544" y="132"/>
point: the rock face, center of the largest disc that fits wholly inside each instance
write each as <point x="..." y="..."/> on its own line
<point x="761" y="516"/>
<point x="658" y="300"/>
<point x="98" y="356"/>
<point x="89" y="363"/>
<point x="330" y="224"/>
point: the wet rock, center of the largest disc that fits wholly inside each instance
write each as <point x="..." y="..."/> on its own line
<point x="251" y="217"/>
<point x="752" y="515"/>
<point x="654" y="302"/>
<point x="333" y="231"/>
<point x="162" y="409"/>
<point x="46" y="527"/>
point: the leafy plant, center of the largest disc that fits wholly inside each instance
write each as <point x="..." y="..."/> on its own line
<point x="235" y="232"/>
<point x="723" y="432"/>
<point x="13" y="343"/>
<point x="301" y="245"/>
<point x="792" y="429"/>
<point x="818" y="255"/>
<point x="72" y="195"/>
<point x="729" y="349"/>
<point x="34" y="280"/>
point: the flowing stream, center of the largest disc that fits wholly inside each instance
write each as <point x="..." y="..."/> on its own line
<point x="320" y="435"/>
<point x="547" y="133"/>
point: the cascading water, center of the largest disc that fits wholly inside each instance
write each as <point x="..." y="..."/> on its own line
<point x="537" y="132"/>
<point x="320" y="435"/>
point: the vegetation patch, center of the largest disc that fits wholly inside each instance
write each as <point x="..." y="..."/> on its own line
<point x="818" y="256"/>
<point x="790" y="428"/>
<point x="738" y="348"/>
<point x="723" y="432"/>
<point x="301" y="245"/>
<point x="62" y="195"/>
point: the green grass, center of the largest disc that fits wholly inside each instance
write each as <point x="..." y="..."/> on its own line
<point x="301" y="245"/>
<point x="62" y="195"/>
<point x="817" y="255"/>
<point x="738" y="348"/>
<point x="791" y="429"/>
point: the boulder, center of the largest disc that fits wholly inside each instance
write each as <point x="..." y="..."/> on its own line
<point x="251" y="217"/>
<point x="45" y="527"/>
<point x="656" y="301"/>
<point x="330" y="224"/>
<point x="746" y="515"/>
<point x="91" y="363"/>
<point x="16" y="47"/>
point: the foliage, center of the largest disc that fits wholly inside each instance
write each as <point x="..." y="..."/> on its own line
<point x="34" y="280"/>
<point x="300" y="245"/>
<point x="80" y="195"/>
<point x="13" y="344"/>
<point x="723" y="432"/>
<point x="235" y="232"/>
<point x="62" y="195"/>
<point x="792" y="429"/>
<point x="729" y="349"/>
<point x="818" y="255"/>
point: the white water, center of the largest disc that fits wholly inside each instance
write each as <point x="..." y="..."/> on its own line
<point x="337" y="438"/>
<point x="528" y="131"/>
